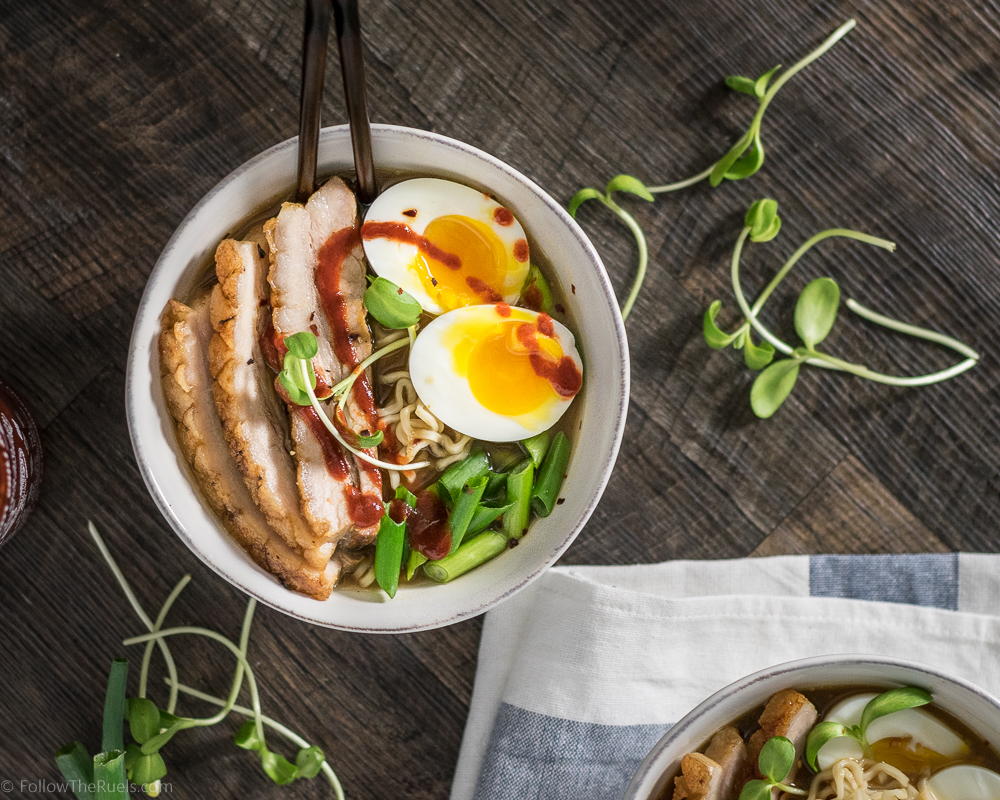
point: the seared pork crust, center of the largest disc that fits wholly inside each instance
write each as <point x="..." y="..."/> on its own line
<point x="187" y="386"/>
<point x="254" y="418"/>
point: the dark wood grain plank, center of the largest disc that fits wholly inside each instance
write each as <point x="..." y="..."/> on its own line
<point x="115" y="119"/>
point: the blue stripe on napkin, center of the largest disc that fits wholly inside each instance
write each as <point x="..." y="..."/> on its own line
<point x="919" y="580"/>
<point x="537" y="756"/>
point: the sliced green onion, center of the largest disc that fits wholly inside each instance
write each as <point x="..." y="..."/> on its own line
<point x="389" y="553"/>
<point x="404" y="494"/>
<point x="496" y="489"/>
<point x="416" y="561"/>
<point x="537" y="446"/>
<point x="475" y="465"/>
<point x="114" y="706"/>
<point x="77" y="767"/>
<point x="536" y="280"/>
<point x="465" y="507"/>
<point x="550" y="476"/>
<point x="470" y="555"/>
<point x="484" y="517"/>
<point x="503" y="456"/>
<point x="519" y="481"/>
<point x="109" y="776"/>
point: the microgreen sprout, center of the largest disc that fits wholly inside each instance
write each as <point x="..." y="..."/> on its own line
<point x="815" y="313"/>
<point x="775" y="762"/>
<point x="298" y="378"/>
<point x="880" y="706"/>
<point x="151" y="727"/>
<point x="393" y="307"/>
<point x="742" y="160"/>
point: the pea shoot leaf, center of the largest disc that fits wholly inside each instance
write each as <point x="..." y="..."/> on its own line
<point x="309" y="761"/>
<point x="893" y="700"/>
<point x="816" y="311"/>
<point x="760" y="86"/>
<point x="581" y="197"/>
<point x="730" y="158"/>
<point x="740" y="340"/>
<point x="819" y="736"/>
<point x="773" y="386"/>
<point x="147" y="769"/>
<point x="246" y="736"/>
<point x="302" y="345"/>
<point x="740" y="84"/>
<point x="760" y="216"/>
<point x="747" y="164"/>
<point x="143" y="719"/>
<point x="278" y="768"/>
<point x="626" y="183"/>
<point x="757" y="357"/>
<point x="715" y="338"/>
<point x="756" y="790"/>
<point x="776" y="759"/>
<point x="391" y="305"/>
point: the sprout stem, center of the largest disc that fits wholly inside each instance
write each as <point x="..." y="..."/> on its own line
<point x="912" y="330"/>
<point x="640" y="240"/>
<point x="148" y="653"/>
<point x="242" y="666"/>
<point x="673" y="187"/>
<point x="273" y="724"/>
<point x="304" y="365"/>
<point x="139" y="611"/>
<point x="830" y="362"/>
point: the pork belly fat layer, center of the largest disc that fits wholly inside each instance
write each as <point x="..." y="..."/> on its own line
<point x="254" y="418"/>
<point x="187" y="386"/>
<point x="728" y="750"/>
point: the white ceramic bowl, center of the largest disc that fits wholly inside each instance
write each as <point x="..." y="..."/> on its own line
<point x="600" y="337"/>
<point x="966" y="702"/>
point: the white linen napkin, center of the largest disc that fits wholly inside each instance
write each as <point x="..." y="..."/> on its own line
<point x="582" y="672"/>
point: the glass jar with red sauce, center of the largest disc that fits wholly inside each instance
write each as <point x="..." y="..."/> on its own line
<point x="20" y="462"/>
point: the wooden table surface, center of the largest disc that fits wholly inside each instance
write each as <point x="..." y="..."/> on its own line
<point x="116" y="117"/>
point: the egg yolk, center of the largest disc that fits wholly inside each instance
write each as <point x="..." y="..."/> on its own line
<point x="496" y="359"/>
<point x="908" y="755"/>
<point x="472" y="268"/>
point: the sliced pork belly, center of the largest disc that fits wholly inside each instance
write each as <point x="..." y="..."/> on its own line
<point x="789" y="714"/>
<point x="728" y="750"/>
<point x="701" y="778"/>
<point x="254" y="418"/>
<point x="187" y="386"/>
<point x="317" y="281"/>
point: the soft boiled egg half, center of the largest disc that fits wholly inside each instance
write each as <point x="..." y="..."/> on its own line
<point x="496" y="372"/>
<point x="906" y="739"/>
<point x="446" y="244"/>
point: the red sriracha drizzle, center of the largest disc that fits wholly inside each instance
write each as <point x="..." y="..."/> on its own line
<point x="563" y="374"/>
<point x="400" y="232"/>
<point x="427" y="527"/>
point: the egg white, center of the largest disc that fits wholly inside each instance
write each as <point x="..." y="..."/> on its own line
<point x="965" y="782"/>
<point x="449" y="396"/>
<point x="432" y="198"/>
<point x="924" y="728"/>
